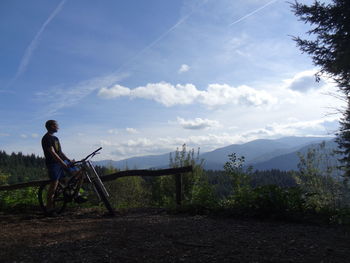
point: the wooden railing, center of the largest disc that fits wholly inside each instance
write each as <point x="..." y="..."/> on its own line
<point x="161" y="172"/>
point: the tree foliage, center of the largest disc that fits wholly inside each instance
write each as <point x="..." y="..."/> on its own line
<point x="182" y="158"/>
<point x="318" y="178"/>
<point x="343" y="140"/>
<point x="18" y="168"/>
<point x="329" y="48"/>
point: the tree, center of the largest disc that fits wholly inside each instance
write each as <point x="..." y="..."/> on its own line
<point x="318" y="179"/>
<point x="330" y="50"/>
<point x="166" y="185"/>
<point x="343" y="140"/>
<point x="239" y="176"/>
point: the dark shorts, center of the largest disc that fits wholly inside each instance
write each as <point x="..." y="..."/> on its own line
<point x="55" y="171"/>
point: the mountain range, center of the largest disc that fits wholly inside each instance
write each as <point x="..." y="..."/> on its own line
<point x="262" y="154"/>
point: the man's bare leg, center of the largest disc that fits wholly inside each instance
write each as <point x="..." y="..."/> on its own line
<point x="50" y="195"/>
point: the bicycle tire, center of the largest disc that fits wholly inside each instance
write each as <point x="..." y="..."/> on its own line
<point x="59" y="200"/>
<point x="72" y="188"/>
<point x="104" y="199"/>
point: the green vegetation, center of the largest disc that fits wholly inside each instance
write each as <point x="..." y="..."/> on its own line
<point x="315" y="191"/>
<point x="318" y="191"/>
<point x="19" y="168"/>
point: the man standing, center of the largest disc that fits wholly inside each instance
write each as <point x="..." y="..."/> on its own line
<point x="55" y="161"/>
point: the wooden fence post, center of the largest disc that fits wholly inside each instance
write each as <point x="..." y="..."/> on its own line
<point x="178" y="184"/>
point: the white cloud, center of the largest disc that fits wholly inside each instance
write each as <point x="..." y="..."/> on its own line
<point x="121" y="131"/>
<point x="321" y="127"/>
<point x="197" y="123"/>
<point x="113" y="131"/>
<point x="4" y="134"/>
<point x="162" y="92"/>
<point x="221" y="94"/>
<point x="304" y="81"/>
<point x="25" y="136"/>
<point x="113" y="92"/>
<point x="131" y="130"/>
<point x="167" y="94"/>
<point x="215" y="95"/>
<point x="183" y="68"/>
<point x="131" y="147"/>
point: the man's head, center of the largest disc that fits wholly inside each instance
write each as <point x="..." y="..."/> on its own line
<point x="51" y="126"/>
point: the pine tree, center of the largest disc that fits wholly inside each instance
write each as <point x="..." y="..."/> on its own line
<point x="343" y="140"/>
<point x="330" y="50"/>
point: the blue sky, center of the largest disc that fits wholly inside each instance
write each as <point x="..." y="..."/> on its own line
<point x="144" y="77"/>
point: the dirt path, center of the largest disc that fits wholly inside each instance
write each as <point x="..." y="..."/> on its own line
<point x="152" y="236"/>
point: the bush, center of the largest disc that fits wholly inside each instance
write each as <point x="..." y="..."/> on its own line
<point x="128" y="192"/>
<point x="19" y="199"/>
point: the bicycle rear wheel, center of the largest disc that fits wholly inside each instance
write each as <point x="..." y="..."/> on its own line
<point x="103" y="197"/>
<point x="59" y="200"/>
<point x="72" y="188"/>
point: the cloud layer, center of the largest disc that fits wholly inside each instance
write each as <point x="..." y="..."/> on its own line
<point x="171" y="95"/>
<point x="197" y="123"/>
<point x="209" y="141"/>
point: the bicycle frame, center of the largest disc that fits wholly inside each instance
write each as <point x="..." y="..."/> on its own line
<point x="91" y="174"/>
<point x="93" y="177"/>
<point x="66" y="193"/>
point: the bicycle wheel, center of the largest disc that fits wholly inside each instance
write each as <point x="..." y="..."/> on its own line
<point x="72" y="188"/>
<point x="103" y="196"/>
<point x="59" y="200"/>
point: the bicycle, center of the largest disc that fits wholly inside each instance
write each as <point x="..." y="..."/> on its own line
<point x="68" y="187"/>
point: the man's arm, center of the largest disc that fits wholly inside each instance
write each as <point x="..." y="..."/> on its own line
<point x="57" y="157"/>
<point x="65" y="157"/>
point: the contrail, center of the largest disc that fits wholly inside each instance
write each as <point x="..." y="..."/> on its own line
<point x="34" y="43"/>
<point x="183" y="19"/>
<point x="252" y="13"/>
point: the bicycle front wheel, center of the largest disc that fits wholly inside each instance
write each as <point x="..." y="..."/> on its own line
<point x="59" y="200"/>
<point x="103" y="197"/>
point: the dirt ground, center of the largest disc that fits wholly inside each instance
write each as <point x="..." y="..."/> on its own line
<point x="149" y="235"/>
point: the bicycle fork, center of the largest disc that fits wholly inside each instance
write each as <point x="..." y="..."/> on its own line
<point x="95" y="179"/>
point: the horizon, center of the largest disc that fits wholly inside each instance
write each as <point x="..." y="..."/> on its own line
<point x="189" y="149"/>
<point x="164" y="153"/>
<point x="139" y="78"/>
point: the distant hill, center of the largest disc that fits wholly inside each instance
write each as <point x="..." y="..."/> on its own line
<point x="142" y="162"/>
<point x="262" y="154"/>
<point x="289" y="161"/>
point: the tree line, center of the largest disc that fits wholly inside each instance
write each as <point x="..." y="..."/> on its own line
<point x="18" y="168"/>
<point x="313" y="189"/>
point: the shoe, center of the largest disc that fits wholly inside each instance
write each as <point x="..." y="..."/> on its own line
<point x="80" y="199"/>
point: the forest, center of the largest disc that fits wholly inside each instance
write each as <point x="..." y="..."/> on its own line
<point x="314" y="190"/>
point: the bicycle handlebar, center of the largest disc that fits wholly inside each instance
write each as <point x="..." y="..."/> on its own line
<point x="88" y="156"/>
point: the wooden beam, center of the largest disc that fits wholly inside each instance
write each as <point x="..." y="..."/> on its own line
<point x="23" y="185"/>
<point x="109" y="177"/>
<point x="162" y="172"/>
<point x="178" y="187"/>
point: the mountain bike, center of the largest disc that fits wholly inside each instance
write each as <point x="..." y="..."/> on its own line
<point x="69" y="186"/>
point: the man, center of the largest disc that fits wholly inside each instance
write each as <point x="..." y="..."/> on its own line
<point x="56" y="161"/>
